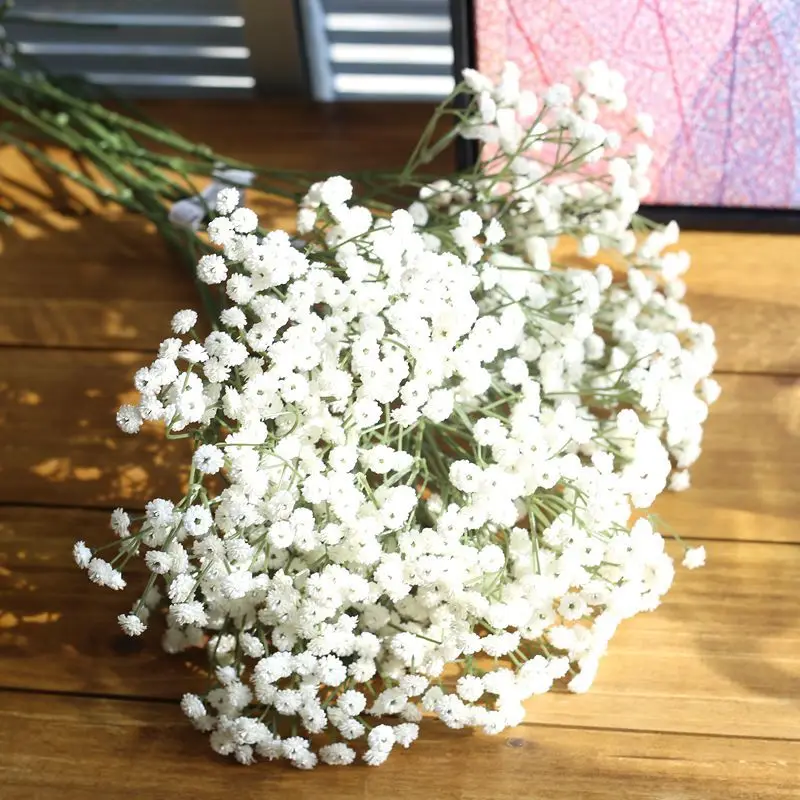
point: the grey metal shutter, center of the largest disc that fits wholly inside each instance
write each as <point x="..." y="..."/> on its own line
<point x="141" y="47"/>
<point x="378" y="49"/>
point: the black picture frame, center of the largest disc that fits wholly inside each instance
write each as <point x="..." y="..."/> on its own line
<point x="710" y="218"/>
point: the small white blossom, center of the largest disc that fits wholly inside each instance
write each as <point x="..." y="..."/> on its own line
<point x="131" y="624"/>
<point x="227" y="200"/>
<point x="120" y="522"/>
<point x="208" y="459"/>
<point x="102" y="573"/>
<point x="129" y="419"/>
<point x="212" y="269"/>
<point x="82" y="554"/>
<point x="694" y="557"/>
<point x="184" y="321"/>
<point x="435" y="432"/>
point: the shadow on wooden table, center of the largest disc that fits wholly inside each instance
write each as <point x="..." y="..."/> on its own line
<point x="136" y="750"/>
<point x="63" y="447"/>
<point x="89" y="282"/>
<point x="764" y="657"/>
<point x="745" y="627"/>
<point x="58" y="631"/>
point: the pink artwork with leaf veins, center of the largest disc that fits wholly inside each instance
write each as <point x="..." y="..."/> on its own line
<point x="720" y="77"/>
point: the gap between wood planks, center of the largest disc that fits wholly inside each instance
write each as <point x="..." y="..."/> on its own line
<point x="102" y="513"/>
<point x="721" y="654"/>
<point x="57" y="419"/>
<point x="151" y="352"/>
<point x="74" y="749"/>
<point x="172" y="703"/>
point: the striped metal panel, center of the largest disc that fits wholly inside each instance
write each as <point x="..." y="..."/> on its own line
<point x="162" y="48"/>
<point x="379" y="49"/>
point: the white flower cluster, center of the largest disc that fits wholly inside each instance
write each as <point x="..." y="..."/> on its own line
<point x="552" y="172"/>
<point x="427" y="439"/>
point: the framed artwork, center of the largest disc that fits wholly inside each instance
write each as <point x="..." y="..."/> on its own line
<point x="721" y="78"/>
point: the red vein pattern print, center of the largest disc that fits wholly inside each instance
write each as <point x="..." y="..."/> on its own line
<point x="720" y="77"/>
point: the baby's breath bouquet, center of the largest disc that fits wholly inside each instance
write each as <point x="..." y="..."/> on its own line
<point x="422" y="437"/>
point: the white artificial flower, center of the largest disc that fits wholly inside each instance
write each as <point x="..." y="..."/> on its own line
<point x="494" y="232"/>
<point x="102" y="573"/>
<point x="694" y="557"/>
<point x="337" y="754"/>
<point x="184" y="321"/>
<point x="335" y="191"/>
<point x="228" y="200"/>
<point x="129" y="419"/>
<point x="131" y="624"/>
<point x="435" y="425"/>
<point x="212" y="269"/>
<point x="244" y="220"/>
<point x="82" y="554"/>
<point x="208" y="459"/>
<point x="679" y="481"/>
<point x="120" y="522"/>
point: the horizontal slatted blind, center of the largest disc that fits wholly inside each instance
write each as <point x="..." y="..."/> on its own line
<point x="379" y="49"/>
<point x="140" y="47"/>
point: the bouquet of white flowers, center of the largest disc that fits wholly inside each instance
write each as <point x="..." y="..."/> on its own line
<point x="430" y="429"/>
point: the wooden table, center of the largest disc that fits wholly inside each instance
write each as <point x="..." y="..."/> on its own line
<point x="699" y="700"/>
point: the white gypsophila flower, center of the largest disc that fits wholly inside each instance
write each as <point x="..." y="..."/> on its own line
<point x="120" y="522"/>
<point x="494" y="232"/>
<point x="192" y="706"/>
<point x="184" y="321"/>
<point x="335" y="191"/>
<point x="233" y="318"/>
<point x="244" y="220"/>
<point x="694" y="557"/>
<point x="212" y="269"/>
<point x="82" y="554"/>
<point x="208" y="459"/>
<point x="131" y="624"/>
<point x="129" y="419"/>
<point x="228" y="200"/>
<point x="419" y="437"/>
<point x="102" y="573"/>
<point x="679" y="481"/>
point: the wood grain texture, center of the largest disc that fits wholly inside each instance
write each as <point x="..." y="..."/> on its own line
<point x="62" y="628"/>
<point x="721" y="654"/>
<point x="282" y="135"/>
<point x="112" y="749"/>
<point x="745" y="484"/>
<point x="747" y="286"/>
<point x="91" y="295"/>
<point x="697" y="701"/>
<point x="61" y="446"/>
<point x="109" y="281"/>
<point x="90" y="282"/>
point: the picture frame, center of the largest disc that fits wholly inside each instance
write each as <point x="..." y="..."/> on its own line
<point x="697" y="217"/>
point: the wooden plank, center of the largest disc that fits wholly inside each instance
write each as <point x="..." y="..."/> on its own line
<point x="744" y="485"/>
<point x="108" y="281"/>
<point x="280" y="135"/>
<point x="74" y="748"/>
<point x="745" y="482"/>
<point x="61" y="445"/>
<point x="88" y="282"/>
<point x="747" y="286"/>
<point x="62" y="627"/>
<point x="721" y="655"/>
